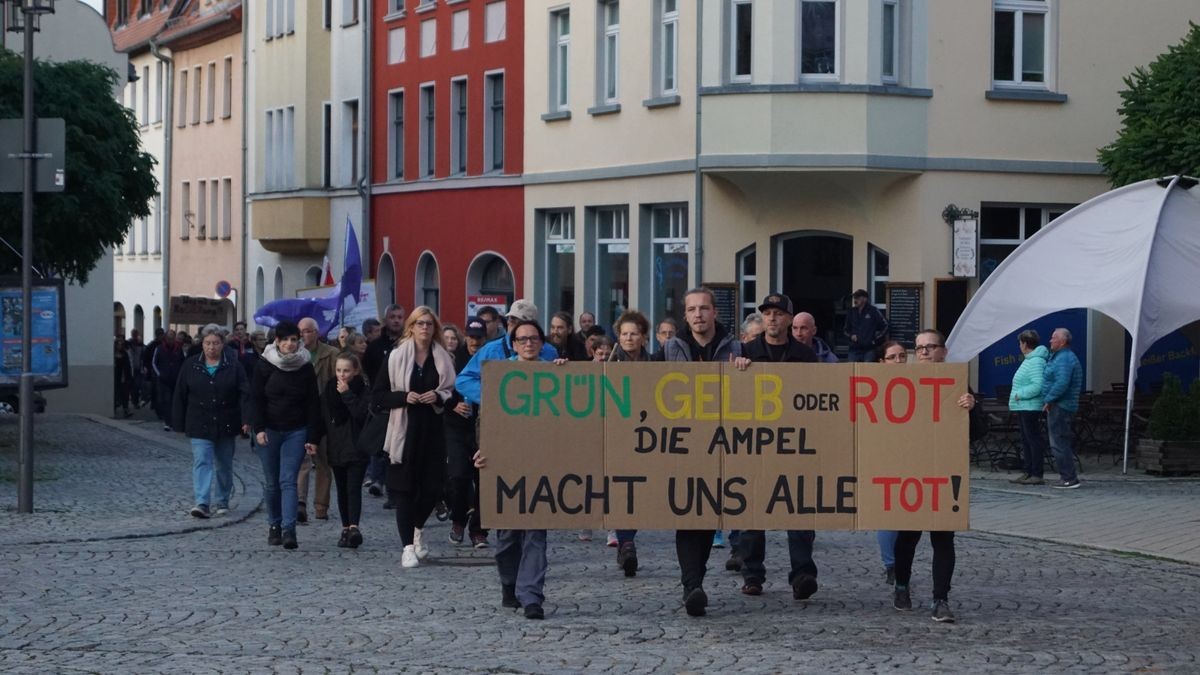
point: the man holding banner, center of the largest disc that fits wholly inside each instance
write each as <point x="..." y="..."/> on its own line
<point x="777" y="345"/>
<point x="705" y="340"/>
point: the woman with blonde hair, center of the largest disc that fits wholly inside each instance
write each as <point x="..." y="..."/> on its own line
<point x="415" y="385"/>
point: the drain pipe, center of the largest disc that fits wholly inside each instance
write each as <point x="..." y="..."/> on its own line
<point x="164" y="234"/>
<point x="699" y="190"/>
<point x="364" y="181"/>
<point x="244" y="297"/>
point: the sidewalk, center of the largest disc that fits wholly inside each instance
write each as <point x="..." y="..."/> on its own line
<point x="97" y="479"/>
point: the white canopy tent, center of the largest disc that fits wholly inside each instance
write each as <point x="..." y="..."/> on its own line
<point x="1132" y="253"/>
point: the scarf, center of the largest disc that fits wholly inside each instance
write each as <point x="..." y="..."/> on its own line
<point x="400" y="366"/>
<point x="288" y="362"/>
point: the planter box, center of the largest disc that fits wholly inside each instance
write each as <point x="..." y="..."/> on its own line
<point x="1169" y="458"/>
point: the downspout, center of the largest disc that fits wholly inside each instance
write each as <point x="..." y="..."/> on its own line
<point x="168" y="139"/>
<point x="699" y="176"/>
<point x="364" y="180"/>
<point x="245" y="294"/>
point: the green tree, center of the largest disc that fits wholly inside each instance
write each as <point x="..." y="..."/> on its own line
<point x="109" y="180"/>
<point x="1160" y="118"/>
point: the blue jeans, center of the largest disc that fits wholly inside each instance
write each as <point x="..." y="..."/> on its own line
<point x="753" y="545"/>
<point x="887" y="547"/>
<point x="859" y="355"/>
<point x="281" y="458"/>
<point x="1058" y="422"/>
<point x="521" y="560"/>
<point x="1035" y="444"/>
<point x="204" y="452"/>
<point x="377" y="469"/>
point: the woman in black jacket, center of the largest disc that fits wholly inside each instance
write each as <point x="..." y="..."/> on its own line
<point x="211" y="406"/>
<point x="344" y="403"/>
<point x="287" y="425"/>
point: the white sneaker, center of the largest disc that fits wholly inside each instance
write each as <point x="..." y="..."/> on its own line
<point x="612" y="538"/>
<point x="419" y="547"/>
<point x="409" y="557"/>
<point x="585" y="535"/>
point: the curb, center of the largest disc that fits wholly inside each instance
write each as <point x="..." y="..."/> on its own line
<point x="1091" y="547"/>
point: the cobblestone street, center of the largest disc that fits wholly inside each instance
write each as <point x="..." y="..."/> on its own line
<point x="218" y="599"/>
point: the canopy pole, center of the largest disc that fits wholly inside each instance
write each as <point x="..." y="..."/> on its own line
<point x="1129" y="390"/>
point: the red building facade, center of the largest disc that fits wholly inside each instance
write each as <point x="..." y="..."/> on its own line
<point x="447" y="203"/>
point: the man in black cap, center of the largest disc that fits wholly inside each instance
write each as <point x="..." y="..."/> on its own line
<point x="865" y="328"/>
<point x="462" y="442"/>
<point x="777" y="345"/>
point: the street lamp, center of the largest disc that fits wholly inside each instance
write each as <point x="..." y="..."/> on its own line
<point x="24" y="17"/>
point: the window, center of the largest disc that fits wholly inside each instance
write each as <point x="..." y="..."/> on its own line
<point x="269" y="151"/>
<point x="183" y="94"/>
<point x="132" y="95"/>
<point x="201" y="209"/>
<point x="327" y="14"/>
<point x="818" y="38"/>
<point x="269" y="15"/>
<point x="350" y="142"/>
<point x="158" y="91"/>
<point x="747" y="274"/>
<point x="879" y="266"/>
<point x="185" y="212"/>
<point x="667" y="53"/>
<point x="144" y="233"/>
<point x="158" y="225"/>
<point x="741" y="36"/>
<point x="609" y="43"/>
<point x="122" y="12"/>
<point x="397" y="45"/>
<point x="396" y="7"/>
<point x="214" y="195"/>
<point x="227" y="100"/>
<point x="1003" y="228"/>
<point x="458" y="132"/>
<point x="349" y="12"/>
<point x="210" y="111"/>
<point x="145" y="118"/>
<point x="494" y="127"/>
<point x="227" y="213"/>
<point x="144" y="9"/>
<point x="460" y="28"/>
<point x="494" y="21"/>
<point x="560" y="57"/>
<point x="289" y="146"/>
<point x="280" y="147"/>
<point x="428" y="38"/>
<point x="197" y="87"/>
<point x="289" y="16"/>
<point x="427" y="283"/>
<point x="560" y="260"/>
<point x="612" y="247"/>
<point x="1020" y="42"/>
<point x="889" y="51"/>
<point x="396" y="103"/>
<point x="428" y="131"/>
<point x="326" y="144"/>
<point x="669" y="267"/>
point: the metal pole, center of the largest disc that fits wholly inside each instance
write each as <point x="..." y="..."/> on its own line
<point x="25" y="486"/>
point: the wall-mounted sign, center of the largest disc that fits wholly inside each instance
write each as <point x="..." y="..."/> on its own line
<point x="478" y="302"/>
<point x="966" y="247"/>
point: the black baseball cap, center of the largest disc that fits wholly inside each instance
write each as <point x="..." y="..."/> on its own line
<point x="860" y="293"/>
<point x="476" y="327"/>
<point x="777" y="301"/>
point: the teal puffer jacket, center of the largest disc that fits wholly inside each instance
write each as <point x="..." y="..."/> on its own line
<point x="1027" y="383"/>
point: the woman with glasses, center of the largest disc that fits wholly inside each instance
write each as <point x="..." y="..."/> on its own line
<point x="415" y="384"/>
<point x="892" y="353"/>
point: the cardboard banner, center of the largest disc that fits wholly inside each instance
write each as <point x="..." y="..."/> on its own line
<point x="705" y="446"/>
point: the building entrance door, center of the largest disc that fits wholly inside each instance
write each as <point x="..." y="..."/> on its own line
<point x="815" y="270"/>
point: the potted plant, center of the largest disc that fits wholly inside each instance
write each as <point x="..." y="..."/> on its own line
<point x="1172" y="442"/>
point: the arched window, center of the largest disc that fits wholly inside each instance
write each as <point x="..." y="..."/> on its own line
<point x="139" y="321"/>
<point x="428" y="283"/>
<point x="278" y="283"/>
<point x="312" y="277"/>
<point x="118" y="319"/>
<point x="260" y="289"/>
<point x="385" y="283"/>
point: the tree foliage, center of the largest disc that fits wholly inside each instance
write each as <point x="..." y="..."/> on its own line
<point x="1160" y="114"/>
<point x="109" y="179"/>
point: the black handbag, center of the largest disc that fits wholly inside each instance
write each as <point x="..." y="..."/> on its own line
<point x="374" y="433"/>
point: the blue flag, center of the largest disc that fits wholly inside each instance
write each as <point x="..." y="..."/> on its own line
<point x="327" y="311"/>
<point x="350" y="284"/>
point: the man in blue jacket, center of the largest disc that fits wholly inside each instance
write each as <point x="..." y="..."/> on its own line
<point x="865" y="328"/>
<point x="468" y="381"/>
<point x="1061" y="383"/>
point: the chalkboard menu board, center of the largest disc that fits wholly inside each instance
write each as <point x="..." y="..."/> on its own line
<point x="904" y="312"/>
<point x="727" y="305"/>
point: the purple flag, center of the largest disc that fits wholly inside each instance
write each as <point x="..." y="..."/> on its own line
<point x="327" y="310"/>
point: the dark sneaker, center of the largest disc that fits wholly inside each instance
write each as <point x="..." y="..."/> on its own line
<point x="694" y="601"/>
<point x="355" y="537"/>
<point x="751" y="588"/>
<point x="1020" y="480"/>
<point x="375" y="490"/>
<point x="534" y="611"/>
<point x="479" y="541"/>
<point x="302" y="514"/>
<point x="804" y="586"/>
<point x="509" y="597"/>
<point x="889" y="573"/>
<point x="734" y="564"/>
<point x="1067" y="484"/>
<point x="456" y="534"/>
<point x="344" y="540"/>
<point x="200" y="511"/>
<point x="902" y="600"/>
<point x="274" y="536"/>
<point x="941" y="612"/>
<point x="289" y="540"/>
<point x="441" y="512"/>
<point x="1035" y="480"/>
<point x="627" y="558"/>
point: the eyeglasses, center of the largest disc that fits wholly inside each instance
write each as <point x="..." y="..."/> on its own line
<point x="925" y="349"/>
<point x="527" y="340"/>
<point x="896" y="357"/>
<point x="423" y="323"/>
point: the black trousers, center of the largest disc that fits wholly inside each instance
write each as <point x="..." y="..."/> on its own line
<point x="463" y="486"/>
<point x="943" y="560"/>
<point x="692" y="547"/>
<point x="348" y="480"/>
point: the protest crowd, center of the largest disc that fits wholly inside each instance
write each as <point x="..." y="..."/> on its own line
<point x="391" y="408"/>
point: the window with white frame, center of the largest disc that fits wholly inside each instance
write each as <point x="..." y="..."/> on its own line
<point x="495" y="20"/>
<point x="350" y="143"/>
<point x="669" y="265"/>
<point x="667" y="52"/>
<point x="210" y="111"/>
<point x="269" y="18"/>
<point x="428" y="291"/>
<point x="1020" y="42"/>
<point x="201" y="209"/>
<point x="183" y="95"/>
<point x="144" y="233"/>
<point x="397" y="45"/>
<point x="818" y="39"/>
<point x="289" y="16"/>
<point x="494" y="126"/>
<point x="612" y="263"/>
<point x="326" y="144"/>
<point x="747" y="279"/>
<point x="279" y="148"/>
<point x="197" y="88"/>
<point x="428" y="38"/>
<point x="214" y="211"/>
<point x="288" y="171"/>
<point x="458" y="128"/>
<point x="560" y="260"/>
<point x="889" y="48"/>
<point x="560" y="58"/>
<point x="460" y="30"/>
<point x="156" y="248"/>
<point x="879" y="264"/>
<point x="349" y="12"/>
<point x="227" y="93"/>
<point x="741" y="40"/>
<point x="428" y="114"/>
<point x="1002" y="228"/>
<point x="158" y="91"/>
<point x="227" y="212"/>
<point x="131" y="94"/>
<point x="269" y="150"/>
<point x="396" y="7"/>
<point x="145" y="116"/>
<point x="609" y="57"/>
<point x="396" y="155"/>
